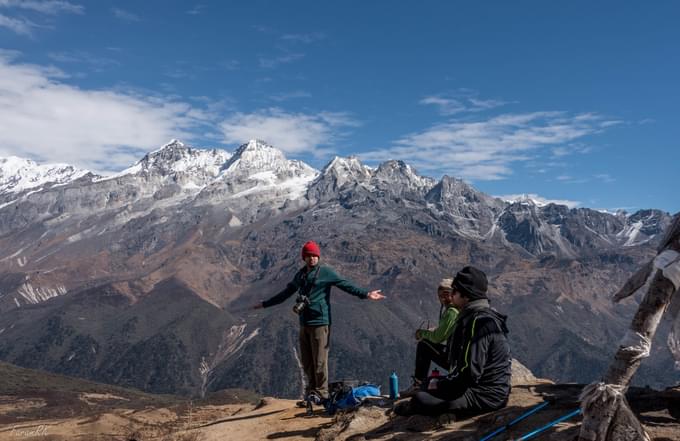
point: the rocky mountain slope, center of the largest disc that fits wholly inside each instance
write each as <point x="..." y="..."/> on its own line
<point x="142" y="279"/>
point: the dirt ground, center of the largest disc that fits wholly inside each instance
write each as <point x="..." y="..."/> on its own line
<point x="276" y="419"/>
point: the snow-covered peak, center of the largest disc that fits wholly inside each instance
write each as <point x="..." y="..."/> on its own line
<point x="347" y="169"/>
<point x="523" y="199"/>
<point x="533" y="199"/>
<point x="173" y="144"/>
<point x="19" y="174"/>
<point x="256" y="156"/>
<point x="398" y="172"/>
<point x="642" y="226"/>
<point x="177" y="158"/>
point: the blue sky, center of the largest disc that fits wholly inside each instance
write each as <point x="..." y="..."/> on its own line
<point x="573" y="102"/>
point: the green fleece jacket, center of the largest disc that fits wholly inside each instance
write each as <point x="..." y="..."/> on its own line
<point x="317" y="284"/>
<point x="446" y="324"/>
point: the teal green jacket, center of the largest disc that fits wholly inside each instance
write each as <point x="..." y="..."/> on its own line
<point x="318" y="289"/>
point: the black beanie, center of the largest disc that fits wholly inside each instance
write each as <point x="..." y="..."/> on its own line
<point x="471" y="283"/>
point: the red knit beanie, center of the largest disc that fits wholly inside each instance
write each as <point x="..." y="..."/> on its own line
<point x="311" y="249"/>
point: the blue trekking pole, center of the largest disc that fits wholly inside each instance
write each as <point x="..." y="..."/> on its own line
<point x="549" y="425"/>
<point x="526" y="414"/>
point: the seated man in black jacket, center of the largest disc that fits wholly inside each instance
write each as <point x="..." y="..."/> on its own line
<point x="479" y="380"/>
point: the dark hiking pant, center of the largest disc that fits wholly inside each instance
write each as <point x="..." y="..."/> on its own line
<point x="426" y="353"/>
<point x="314" y="355"/>
<point x="424" y="403"/>
<point x="437" y="402"/>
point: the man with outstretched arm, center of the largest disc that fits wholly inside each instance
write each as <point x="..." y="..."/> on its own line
<point x="479" y="380"/>
<point x="313" y="284"/>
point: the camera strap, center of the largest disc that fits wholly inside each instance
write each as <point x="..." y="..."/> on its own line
<point x="307" y="288"/>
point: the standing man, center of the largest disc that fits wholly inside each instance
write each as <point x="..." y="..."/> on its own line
<point x="313" y="284"/>
<point x="479" y="356"/>
<point x="432" y="343"/>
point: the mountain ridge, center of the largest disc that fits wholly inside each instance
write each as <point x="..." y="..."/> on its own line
<point x="147" y="238"/>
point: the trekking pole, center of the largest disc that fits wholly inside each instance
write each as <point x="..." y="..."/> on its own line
<point x="526" y="414"/>
<point x="549" y="425"/>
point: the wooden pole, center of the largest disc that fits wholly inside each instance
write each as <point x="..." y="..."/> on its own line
<point x="606" y="415"/>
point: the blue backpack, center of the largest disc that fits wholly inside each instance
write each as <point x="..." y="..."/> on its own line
<point x="344" y="396"/>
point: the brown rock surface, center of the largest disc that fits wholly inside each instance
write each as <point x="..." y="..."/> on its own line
<point x="272" y="418"/>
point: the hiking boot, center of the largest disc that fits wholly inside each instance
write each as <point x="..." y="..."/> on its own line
<point x="315" y="398"/>
<point x="445" y="420"/>
<point x="403" y="408"/>
<point x="301" y="403"/>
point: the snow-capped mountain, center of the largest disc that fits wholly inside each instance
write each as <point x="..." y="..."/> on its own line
<point x="641" y="227"/>
<point x="472" y="212"/>
<point x="259" y="162"/>
<point x="19" y="174"/>
<point x="258" y="180"/>
<point x="98" y="274"/>
<point x="175" y="157"/>
<point x="400" y="178"/>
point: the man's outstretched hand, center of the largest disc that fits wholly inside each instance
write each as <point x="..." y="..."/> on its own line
<point x="376" y="295"/>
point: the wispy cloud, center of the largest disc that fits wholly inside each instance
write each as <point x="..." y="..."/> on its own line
<point x="285" y="96"/>
<point x="44" y="118"/>
<point x="229" y="64"/>
<point x="263" y="29"/>
<point x="95" y="63"/>
<point x="539" y="200"/>
<point x="464" y="100"/>
<point x="50" y="7"/>
<point x="486" y="149"/>
<point x="304" y="38"/>
<point x="605" y="177"/>
<point x="272" y="62"/>
<point x="19" y="26"/>
<point x="196" y="10"/>
<point x="24" y="26"/>
<point x="601" y="177"/>
<point x="124" y="15"/>
<point x="572" y="148"/>
<point x="291" y="132"/>
<point x="179" y="72"/>
<point x="287" y="45"/>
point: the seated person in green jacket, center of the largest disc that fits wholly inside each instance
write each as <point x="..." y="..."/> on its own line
<point x="432" y="343"/>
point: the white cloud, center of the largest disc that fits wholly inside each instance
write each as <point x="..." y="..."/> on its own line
<point x="463" y="100"/>
<point x="303" y="38"/>
<point x="93" y="62"/>
<point x="24" y="26"/>
<point x="44" y="118"/>
<point x="291" y="132"/>
<point x="485" y="149"/>
<point x="560" y="151"/>
<point x="19" y="26"/>
<point x="285" y="96"/>
<point x="124" y="15"/>
<point x="538" y="200"/>
<point x="196" y="10"/>
<point x="605" y="177"/>
<point x="447" y="106"/>
<point x="50" y="7"/>
<point x="270" y="63"/>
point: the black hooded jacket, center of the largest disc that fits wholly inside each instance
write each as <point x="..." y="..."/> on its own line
<point x="480" y="359"/>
